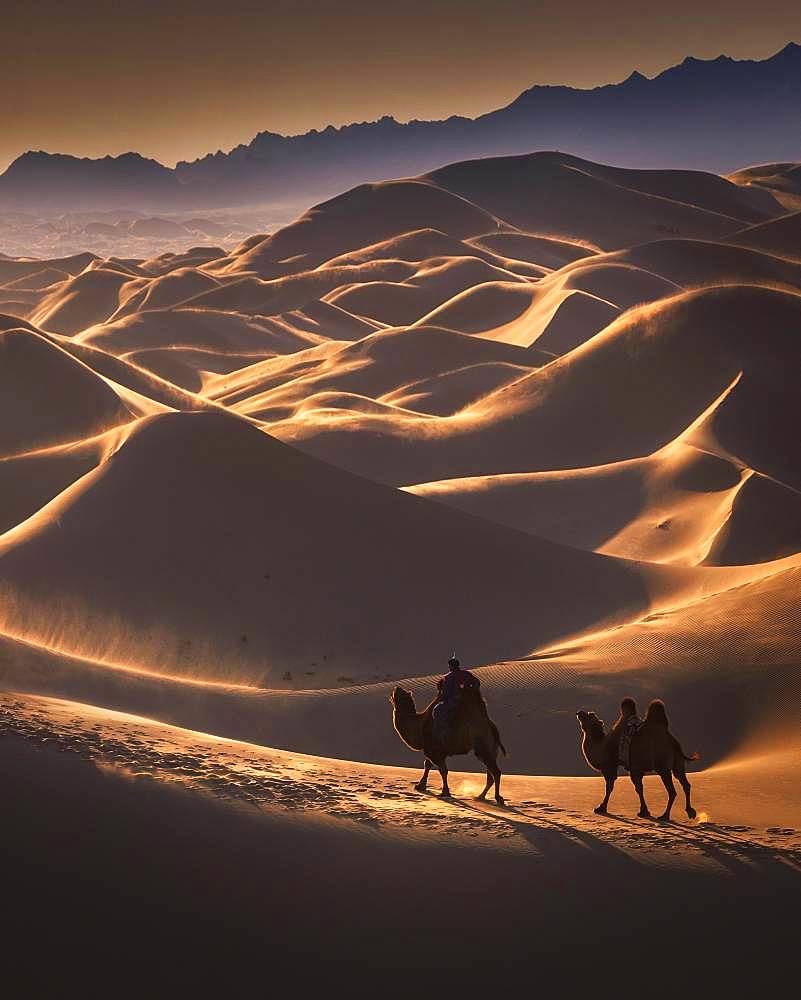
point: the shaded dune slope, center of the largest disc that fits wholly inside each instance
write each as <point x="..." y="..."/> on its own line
<point x="48" y="397"/>
<point x="289" y="583"/>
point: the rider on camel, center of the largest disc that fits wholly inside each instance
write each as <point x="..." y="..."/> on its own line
<point x="451" y="687"/>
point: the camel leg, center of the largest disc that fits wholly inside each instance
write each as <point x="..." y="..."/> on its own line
<point x="636" y="780"/>
<point x="493" y="771"/>
<point x="496" y="771"/>
<point x="681" y="774"/>
<point x="441" y="764"/>
<point x="490" y="778"/>
<point x="610" y="780"/>
<point x="423" y="782"/>
<point x="670" y="788"/>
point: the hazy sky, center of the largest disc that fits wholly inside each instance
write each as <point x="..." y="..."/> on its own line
<point x="174" y="80"/>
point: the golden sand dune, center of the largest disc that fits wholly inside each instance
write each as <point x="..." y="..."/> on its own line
<point x="522" y="314"/>
<point x="436" y="280"/>
<point x="781" y="180"/>
<point x="388" y="361"/>
<point x="32" y="479"/>
<point x="425" y="244"/>
<point x="167" y="290"/>
<point x="35" y="282"/>
<point x="262" y="376"/>
<point x="691" y="263"/>
<point x="295" y="291"/>
<point x="90" y="297"/>
<point x="12" y="270"/>
<point x="382" y="555"/>
<point x="623" y="394"/>
<point x="539" y="250"/>
<point x="582" y="376"/>
<point x="445" y="394"/>
<point x="668" y="507"/>
<point x="781" y="236"/>
<point x="366" y="215"/>
<point x="554" y="194"/>
<point x="48" y="397"/>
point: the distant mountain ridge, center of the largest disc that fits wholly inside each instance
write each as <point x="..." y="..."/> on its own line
<point x="716" y="115"/>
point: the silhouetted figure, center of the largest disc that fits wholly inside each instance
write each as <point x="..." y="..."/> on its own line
<point x="627" y="724"/>
<point x="450" y="689"/>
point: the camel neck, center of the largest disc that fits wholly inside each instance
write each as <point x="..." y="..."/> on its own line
<point x="410" y="728"/>
<point x="593" y="748"/>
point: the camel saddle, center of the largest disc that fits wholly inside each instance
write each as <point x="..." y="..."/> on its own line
<point x="627" y="732"/>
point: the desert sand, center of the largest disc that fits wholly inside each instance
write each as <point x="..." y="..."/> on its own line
<point x="535" y="409"/>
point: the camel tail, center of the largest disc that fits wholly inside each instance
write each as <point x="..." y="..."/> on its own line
<point x="498" y="739"/>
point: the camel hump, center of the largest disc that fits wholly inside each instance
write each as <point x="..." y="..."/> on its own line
<point x="656" y="713"/>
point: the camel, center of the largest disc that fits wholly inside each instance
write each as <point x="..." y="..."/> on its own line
<point x="653" y="748"/>
<point x="473" y="730"/>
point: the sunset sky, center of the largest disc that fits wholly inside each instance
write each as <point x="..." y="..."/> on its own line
<point x="176" y="80"/>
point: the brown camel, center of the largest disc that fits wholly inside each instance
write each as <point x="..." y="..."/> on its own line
<point x="472" y="730"/>
<point x="653" y="748"/>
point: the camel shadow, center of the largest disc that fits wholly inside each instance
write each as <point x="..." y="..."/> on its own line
<point x="563" y="840"/>
<point x="550" y="837"/>
<point x="736" y="854"/>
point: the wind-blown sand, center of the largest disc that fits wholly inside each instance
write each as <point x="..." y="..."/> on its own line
<point x="540" y="410"/>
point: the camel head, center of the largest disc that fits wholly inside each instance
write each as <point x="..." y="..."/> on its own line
<point x="405" y="720"/>
<point x="402" y="700"/>
<point x="592" y="726"/>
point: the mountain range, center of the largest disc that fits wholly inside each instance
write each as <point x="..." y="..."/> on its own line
<point x="714" y="115"/>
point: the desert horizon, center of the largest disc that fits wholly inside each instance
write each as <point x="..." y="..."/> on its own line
<point x="298" y="495"/>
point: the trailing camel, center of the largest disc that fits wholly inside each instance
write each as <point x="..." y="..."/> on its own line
<point x="472" y="731"/>
<point x="653" y="748"/>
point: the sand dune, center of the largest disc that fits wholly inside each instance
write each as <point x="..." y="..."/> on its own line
<point x="625" y="393"/>
<point x="48" y="397"/>
<point x="296" y="291"/>
<point x="667" y="507"/>
<point x="11" y="270"/>
<point x="552" y="194"/>
<point x="35" y="281"/>
<point x="551" y="315"/>
<point x="397" y="561"/>
<point x="384" y="362"/>
<point x="265" y="375"/>
<point x="193" y="257"/>
<point x="538" y="250"/>
<point x="88" y="298"/>
<point x="425" y="244"/>
<point x="33" y="479"/>
<point x="436" y="280"/>
<point x="374" y="212"/>
<point x="691" y="263"/>
<point x="445" y="394"/>
<point x="166" y="291"/>
<point x="582" y="379"/>
<point x="781" y="180"/>
<point x="781" y="237"/>
<point x="736" y="881"/>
